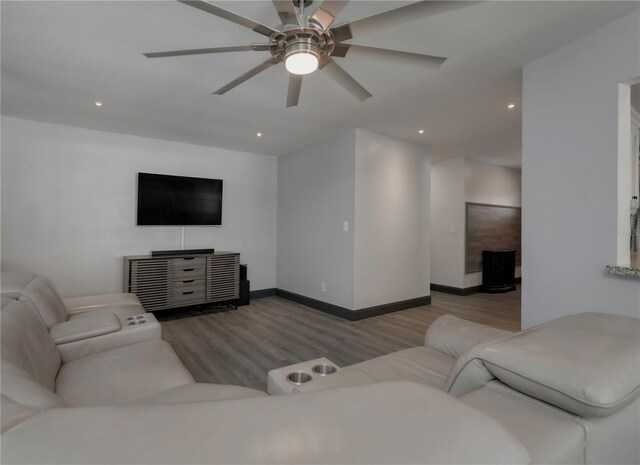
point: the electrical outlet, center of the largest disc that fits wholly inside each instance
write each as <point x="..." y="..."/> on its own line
<point x="323" y="287"/>
<point x="345" y="226"/>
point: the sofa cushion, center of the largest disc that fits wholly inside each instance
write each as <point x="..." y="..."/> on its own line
<point x="93" y="302"/>
<point x="199" y="392"/>
<point x="26" y="344"/>
<point x="21" y="387"/>
<point x="550" y="435"/>
<point x="382" y="423"/>
<point x="122" y="375"/>
<point x="13" y="413"/>
<point x="588" y="363"/>
<point x="37" y="291"/>
<point x="454" y="336"/>
<point x="78" y="329"/>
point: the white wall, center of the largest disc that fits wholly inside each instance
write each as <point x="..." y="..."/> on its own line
<point x="392" y="205"/>
<point x="493" y="185"/>
<point x="453" y="183"/>
<point x="69" y="204"/>
<point x="316" y="188"/>
<point x="380" y="186"/>
<point x="447" y="222"/>
<point x="570" y="110"/>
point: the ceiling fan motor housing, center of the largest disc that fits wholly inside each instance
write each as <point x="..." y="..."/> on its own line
<point x="305" y="43"/>
<point x="307" y="40"/>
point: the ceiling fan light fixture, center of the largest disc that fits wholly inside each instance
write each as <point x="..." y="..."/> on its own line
<point x="301" y="63"/>
<point x="302" y="56"/>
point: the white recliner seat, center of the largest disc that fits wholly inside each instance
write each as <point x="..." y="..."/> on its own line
<point x="92" y="326"/>
<point x="567" y="389"/>
<point x="34" y="377"/>
<point x="447" y="339"/>
<point x="33" y="374"/>
<point x="39" y="291"/>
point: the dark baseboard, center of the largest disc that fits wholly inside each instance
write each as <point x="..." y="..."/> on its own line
<point x="455" y="290"/>
<point x="461" y="290"/>
<point x="353" y="315"/>
<point x="262" y="293"/>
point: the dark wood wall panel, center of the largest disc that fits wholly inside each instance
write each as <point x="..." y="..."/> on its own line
<point x="491" y="227"/>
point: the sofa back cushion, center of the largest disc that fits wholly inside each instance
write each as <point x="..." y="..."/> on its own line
<point x="37" y="291"/>
<point x="13" y="413"/>
<point x="26" y="344"/>
<point x="461" y="339"/>
<point x="587" y="364"/>
<point x="454" y="336"/>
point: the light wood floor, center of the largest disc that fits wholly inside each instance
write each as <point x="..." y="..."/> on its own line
<point x="241" y="346"/>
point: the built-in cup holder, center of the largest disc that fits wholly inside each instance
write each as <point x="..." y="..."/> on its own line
<point x="324" y="369"/>
<point x="299" y="377"/>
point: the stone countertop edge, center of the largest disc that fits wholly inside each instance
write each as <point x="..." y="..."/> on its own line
<point x="623" y="270"/>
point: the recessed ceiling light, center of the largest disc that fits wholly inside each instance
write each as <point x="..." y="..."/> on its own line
<point x="421" y="131"/>
<point x="259" y="134"/>
<point x="98" y="104"/>
<point x="511" y="106"/>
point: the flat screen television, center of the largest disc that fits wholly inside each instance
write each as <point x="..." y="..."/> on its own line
<point x="178" y="201"/>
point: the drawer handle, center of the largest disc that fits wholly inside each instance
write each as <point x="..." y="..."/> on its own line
<point x="189" y="258"/>
<point x="189" y="281"/>
<point x="188" y="269"/>
<point x="187" y="293"/>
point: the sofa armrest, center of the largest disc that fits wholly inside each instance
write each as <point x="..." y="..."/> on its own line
<point x="454" y="336"/>
<point x="75" y="305"/>
<point x="85" y="328"/>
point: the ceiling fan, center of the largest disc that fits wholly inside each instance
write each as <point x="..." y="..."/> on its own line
<point x="307" y="42"/>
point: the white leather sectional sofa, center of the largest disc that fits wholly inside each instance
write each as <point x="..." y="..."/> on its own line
<point x="562" y="392"/>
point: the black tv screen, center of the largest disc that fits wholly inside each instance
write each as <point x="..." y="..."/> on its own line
<point x="178" y="201"/>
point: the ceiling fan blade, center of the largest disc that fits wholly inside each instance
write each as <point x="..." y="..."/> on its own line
<point x="342" y="50"/>
<point x="327" y="12"/>
<point x="248" y="75"/>
<point x="343" y="78"/>
<point x="231" y="16"/>
<point x="400" y="15"/>
<point x="202" y="51"/>
<point x="286" y="12"/>
<point x="293" y="93"/>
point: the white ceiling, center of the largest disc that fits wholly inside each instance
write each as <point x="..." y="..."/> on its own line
<point x="59" y="57"/>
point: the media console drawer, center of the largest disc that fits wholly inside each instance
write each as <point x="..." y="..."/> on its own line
<point x="177" y="281"/>
<point x="198" y="283"/>
<point x="182" y="274"/>
<point x="188" y="295"/>
<point x="188" y="262"/>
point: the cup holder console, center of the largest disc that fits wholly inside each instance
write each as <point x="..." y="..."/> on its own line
<point x="299" y="377"/>
<point x="136" y="320"/>
<point x="324" y="369"/>
<point x="287" y="379"/>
